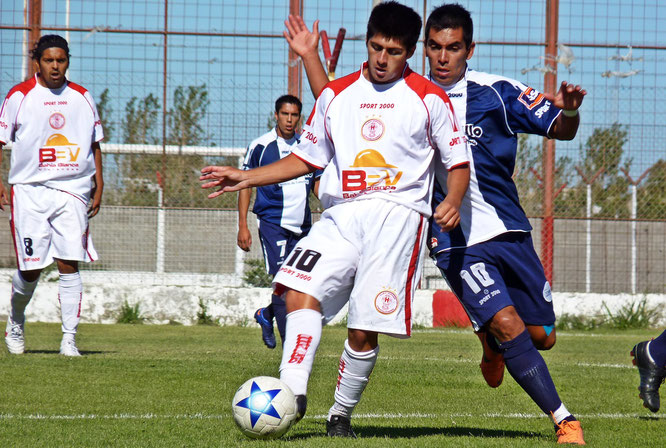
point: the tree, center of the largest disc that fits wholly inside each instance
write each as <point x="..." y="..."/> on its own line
<point x="105" y="111"/>
<point x="140" y="122"/>
<point x="184" y="118"/>
<point x="651" y="198"/>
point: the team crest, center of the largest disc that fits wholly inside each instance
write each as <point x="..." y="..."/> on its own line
<point x="386" y="302"/>
<point x="372" y="130"/>
<point x="531" y="98"/>
<point x="57" y="120"/>
<point x="547" y="293"/>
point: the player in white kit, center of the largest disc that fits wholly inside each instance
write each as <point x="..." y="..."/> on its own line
<point x="376" y="134"/>
<point x="55" y="130"/>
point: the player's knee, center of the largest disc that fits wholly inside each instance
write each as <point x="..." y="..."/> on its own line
<point x="506" y="324"/>
<point x="296" y="300"/>
<point x="361" y="340"/>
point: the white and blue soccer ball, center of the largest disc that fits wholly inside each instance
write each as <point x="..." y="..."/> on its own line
<point x="264" y="408"/>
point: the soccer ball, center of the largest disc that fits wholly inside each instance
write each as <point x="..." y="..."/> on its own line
<point x="264" y="408"/>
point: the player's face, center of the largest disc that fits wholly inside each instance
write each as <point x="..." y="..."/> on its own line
<point x="52" y="67"/>
<point x="287" y="120"/>
<point x="447" y="55"/>
<point x="386" y="59"/>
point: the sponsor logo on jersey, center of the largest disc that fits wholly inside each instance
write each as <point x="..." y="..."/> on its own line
<point x="57" y="120"/>
<point x="386" y="301"/>
<point x="531" y="98"/>
<point x="455" y="95"/>
<point x="3" y="125"/>
<point x="432" y="243"/>
<point x="59" y="153"/>
<point x="372" y="129"/>
<point x="542" y="110"/>
<point x="374" y="171"/>
<point x="547" y="293"/>
<point x="473" y="132"/>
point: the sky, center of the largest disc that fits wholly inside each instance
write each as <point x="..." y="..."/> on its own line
<point x="244" y="62"/>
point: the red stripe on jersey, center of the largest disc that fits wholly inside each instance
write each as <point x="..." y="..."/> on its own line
<point x="411" y="272"/>
<point x="308" y="163"/>
<point x="24" y="88"/>
<point x="74" y="86"/>
<point x="337" y="86"/>
<point x="458" y="166"/>
<point x="422" y="87"/>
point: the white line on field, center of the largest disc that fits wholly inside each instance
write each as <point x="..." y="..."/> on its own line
<point x="389" y="416"/>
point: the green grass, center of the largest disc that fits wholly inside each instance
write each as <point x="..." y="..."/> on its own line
<point x="171" y="386"/>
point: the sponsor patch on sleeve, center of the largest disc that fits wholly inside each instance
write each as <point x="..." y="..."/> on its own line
<point x="530" y="98"/>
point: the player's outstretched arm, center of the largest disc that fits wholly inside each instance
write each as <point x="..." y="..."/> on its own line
<point x="244" y="239"/>
<point x="569" y="98"/>
<point x="98" y="187"/>
<point x="305" y="44"/>
<point x="4" y="197"/>
<point x="447" y="213"/>
<point x="228" y="178"/>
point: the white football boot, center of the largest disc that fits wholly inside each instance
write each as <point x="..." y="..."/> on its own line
<point x="68" y="345"/>
<point x="14" y="337"/>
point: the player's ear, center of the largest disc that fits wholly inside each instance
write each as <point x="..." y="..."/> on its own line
<point x="470" y="50"/>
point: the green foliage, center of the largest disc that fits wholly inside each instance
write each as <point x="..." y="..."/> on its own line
<point x="633" y="315"/>
<point x="255" y="274"/>
<point x="130" y="314"/>
<point x="105" y="111"/>
<point x="140" y="122"/>
<point x="579" y="322"/>
<point x="184" y="118"/>
<point x="651" y="197"/>
<point x="203" y="318"/>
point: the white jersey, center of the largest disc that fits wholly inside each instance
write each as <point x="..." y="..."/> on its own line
<point x="379" y="140"/>
<point x="52" y="132"/>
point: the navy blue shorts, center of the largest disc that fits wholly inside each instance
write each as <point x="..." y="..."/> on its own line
<point x="501" y="272"/>
<point x="276" y="243"/>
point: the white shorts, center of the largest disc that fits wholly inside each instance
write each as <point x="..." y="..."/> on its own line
<point x="48" y="224"/>
<point x="367" y="252"/>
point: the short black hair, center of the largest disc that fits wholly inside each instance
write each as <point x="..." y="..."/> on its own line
<point x="288" y="99"/>
<point x="395" y="21"/>
<point x="451" y="16"/>
<point x="49" y="41"/>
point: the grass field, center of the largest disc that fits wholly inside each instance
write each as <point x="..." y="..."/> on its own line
<point x="171" y="386"/>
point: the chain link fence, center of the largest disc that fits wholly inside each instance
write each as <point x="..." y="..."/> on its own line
<point x="181" y="84"/>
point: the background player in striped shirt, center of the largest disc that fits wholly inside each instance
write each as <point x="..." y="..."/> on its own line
<point x="376" y="189"/>
<point x="55" y="130"/>
<point x="283" y="210"/>
<point x="489" y="260"/>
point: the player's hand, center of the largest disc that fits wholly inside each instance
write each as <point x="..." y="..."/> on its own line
<point x="244" y="239"/>
<point x="4" y="198"/>
<point x="446" y="216"/>
<point x="226" y="178"/>
<point x="96" y="202"/>
<point x="299" y="37"/>
<point x="569" y="97"/>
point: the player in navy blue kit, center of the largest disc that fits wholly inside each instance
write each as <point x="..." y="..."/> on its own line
<point x="650" y="358"/>
<point x="489" y="260"/>
<point x="283" y="212"/>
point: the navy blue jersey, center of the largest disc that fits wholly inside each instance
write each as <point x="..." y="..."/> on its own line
<point x="284" y="204"/>
<point x="493" y="110"/>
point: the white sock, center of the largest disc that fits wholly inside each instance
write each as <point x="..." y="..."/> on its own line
<point x="353" y="375"/>
<point x="303" y="333"/>
<point x="561" y="413"/>
<point x="70" y="290"/>
<point x="21" y="294"/>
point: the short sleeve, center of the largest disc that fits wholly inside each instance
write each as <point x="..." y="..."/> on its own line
<point x="528" y="110"/>
<point x="98" y="132"/>
<point x="446" y="134"/>
<point x="10" y="107"/>
<point x="316" y="147"/>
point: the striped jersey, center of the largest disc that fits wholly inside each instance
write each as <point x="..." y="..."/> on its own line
<point x="493" y="110"/>
<point x="379" y="140"/>
<point x="284" y="204"/>
<point x="52" y="131"/>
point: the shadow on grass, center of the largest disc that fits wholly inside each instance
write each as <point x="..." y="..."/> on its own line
<point x="363" y="432"/>
<point x="57" y="352"/>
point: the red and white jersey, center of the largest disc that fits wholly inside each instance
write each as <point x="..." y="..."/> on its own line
<point x="379" y="140"/>
<point x="52" y="132"/>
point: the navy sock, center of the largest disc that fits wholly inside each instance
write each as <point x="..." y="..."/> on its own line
<point x="658" y="349"/>
<point x="280" y="312"/>
<point x="527" y="367"/>
<point x="268" y="312"/>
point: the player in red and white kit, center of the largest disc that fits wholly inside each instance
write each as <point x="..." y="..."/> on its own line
<point x="55" y="130"/>
<point x="376" y="133"/>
